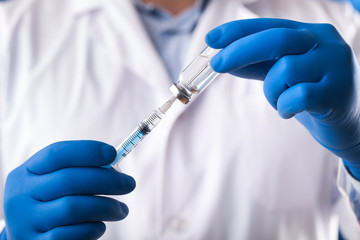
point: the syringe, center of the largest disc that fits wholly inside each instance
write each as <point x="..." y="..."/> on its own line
<point x="140" y="132"/>
<point x="193" y="80"/>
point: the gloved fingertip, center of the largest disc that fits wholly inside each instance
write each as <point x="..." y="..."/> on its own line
<point x="100" y="228"/>
<point x="213" y="37"/>
<point x="132" y="183"/>
<point x="108" y="153"/>
<point x="285" y="115"/>
<point x="271" y="99"/>
<point x="216" y="64"/>
<point x="273" y="104"/>
<point x="129" y="182"/>
<point x="124" y="210"/>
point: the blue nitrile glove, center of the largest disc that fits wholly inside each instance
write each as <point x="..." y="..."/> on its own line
<point x="53" y="195"/>
<point x="308" y="70"/>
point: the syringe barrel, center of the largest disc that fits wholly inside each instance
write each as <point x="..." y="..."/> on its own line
<point x="136" y="137"/>
<point x="127" y="145"/>
<point x="196" y="76"/>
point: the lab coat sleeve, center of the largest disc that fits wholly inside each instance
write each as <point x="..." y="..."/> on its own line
<point x="350" y="188"/>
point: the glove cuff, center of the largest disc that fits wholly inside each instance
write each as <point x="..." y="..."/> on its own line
<point x="354" y="169"/>
<point x="351" y="155"/>
<point x="351" y="159"/>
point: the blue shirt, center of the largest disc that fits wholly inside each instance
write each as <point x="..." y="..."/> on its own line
<point x="170" y="34"/>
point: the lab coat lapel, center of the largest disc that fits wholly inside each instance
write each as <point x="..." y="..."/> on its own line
<point x="139" y="53"/>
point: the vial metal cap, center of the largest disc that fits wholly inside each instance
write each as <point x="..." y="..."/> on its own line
<point x="180" y="93"/>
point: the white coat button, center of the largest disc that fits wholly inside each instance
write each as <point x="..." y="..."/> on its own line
<point x="178" y="224"/>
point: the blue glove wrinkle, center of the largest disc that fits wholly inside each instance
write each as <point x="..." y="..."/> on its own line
<point x="256" y="71"/>
<point x="302" y="97"/>
<point x="288" y="72"/>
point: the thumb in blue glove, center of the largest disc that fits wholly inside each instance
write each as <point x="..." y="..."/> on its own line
<point x="54" y="195"/>
<point x="308" y="71"/>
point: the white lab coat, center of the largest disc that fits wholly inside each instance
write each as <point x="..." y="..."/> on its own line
<point x="224" y="167"/>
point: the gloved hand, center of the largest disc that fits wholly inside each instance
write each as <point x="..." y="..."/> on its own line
<point x="308" y="70"/>
<point x="53" y="195"/>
